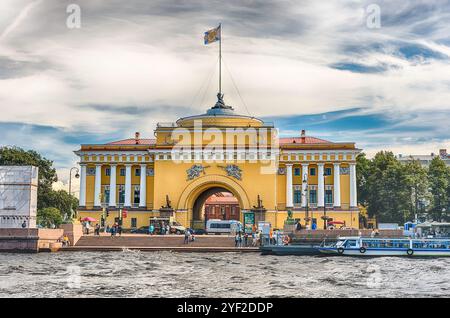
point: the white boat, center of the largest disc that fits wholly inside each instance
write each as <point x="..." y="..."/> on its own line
<point x="360" y="246"/>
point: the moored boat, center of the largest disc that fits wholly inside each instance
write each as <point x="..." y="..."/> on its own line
<point x="359" y="246"/>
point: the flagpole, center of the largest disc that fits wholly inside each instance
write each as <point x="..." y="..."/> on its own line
<point x="220" y="59"/>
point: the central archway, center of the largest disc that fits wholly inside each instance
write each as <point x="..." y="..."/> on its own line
<point x="214" y="203"/>
<point x="197" y="191"/>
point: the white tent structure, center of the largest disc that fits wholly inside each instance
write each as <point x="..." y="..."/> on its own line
<point x="18" y="196"/>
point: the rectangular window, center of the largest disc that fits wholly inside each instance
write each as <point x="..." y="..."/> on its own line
<point x="108" y="172"/>
<point x="297" y="171"/>
<point x="136" y="194"/>
<point x="133" y="222"/>
<point x="121" y="194"/>
<point x="328" y="197"/>
<point x="137" y="172"/>
<point x="313" y="196"/>
<point x="312" y="171"/>
<point x="106" y="194"/>
<point x="297" y="196"/>
<point x="328" y="171"/>
<point x="122" y="172"/>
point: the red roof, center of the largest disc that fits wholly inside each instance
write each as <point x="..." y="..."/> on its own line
<point x="303" y="140"/>
<point x="132" y="141"/>
<point x="228" y="198"/>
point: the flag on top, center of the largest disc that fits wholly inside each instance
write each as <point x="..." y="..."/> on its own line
<point x="212" y="35"/>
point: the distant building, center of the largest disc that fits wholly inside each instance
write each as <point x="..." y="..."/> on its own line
<point x="425" y="160"/>
<point x="18" y="196"/>
<point x="222" y="205"/>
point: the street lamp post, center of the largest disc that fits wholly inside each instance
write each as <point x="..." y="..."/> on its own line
<point x="77" y="175"/>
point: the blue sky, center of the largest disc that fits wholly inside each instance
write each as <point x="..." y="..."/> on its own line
<point x="314" y="65"/>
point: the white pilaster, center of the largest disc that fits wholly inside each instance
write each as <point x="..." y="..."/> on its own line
<point x="112" y="185"/>
<point x="289" y="186"/>
<point x="98" y="184"/>
<point x="337" y="185"/>
<point x="127" y="185"/>
<point x="353" y="197"/>
<point x="304" y="184"/>
<point x="82" y="200"/>
<point x="143" y="186"/>
<point x="320" y="186"/>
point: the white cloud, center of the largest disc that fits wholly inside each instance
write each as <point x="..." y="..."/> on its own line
<point x="150" y="54"/>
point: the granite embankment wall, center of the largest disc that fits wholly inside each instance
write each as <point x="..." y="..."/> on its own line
<point x="29" y="240"/>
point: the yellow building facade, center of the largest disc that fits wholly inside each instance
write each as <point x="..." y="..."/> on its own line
<point x="174" y="173"/>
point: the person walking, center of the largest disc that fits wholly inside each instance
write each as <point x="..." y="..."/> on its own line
<point x="186" y="237"/>
<point x="236" y="240"/>
<point x="119" y="229"/>
<point x="240" y="239"/>
<point x="246" y="239"/>
<point x="87" y="225"/>
<point x="151" y="229"/>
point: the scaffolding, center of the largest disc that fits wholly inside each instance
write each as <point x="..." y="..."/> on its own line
<point x="18" y="196"/>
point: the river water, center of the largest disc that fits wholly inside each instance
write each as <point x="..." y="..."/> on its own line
<point x="167" y="274"/>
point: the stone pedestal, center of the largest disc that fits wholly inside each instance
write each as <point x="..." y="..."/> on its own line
<point x="260" y="215"/>
<point x="73" y="232"/>
<point x="166" y="212"/>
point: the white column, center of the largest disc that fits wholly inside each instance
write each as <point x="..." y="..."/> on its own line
<point x="304" y="184"/>
<point x="98" y="184"/>
<point x="143" y="187"/>
<point x="320" y="186"/>
<point x="82" y="200"/>
<point x="289" y="186"/>
<point x="112" y="185"/>
<point x="337" y="185"/>
<point x="353" y="198"/>
<point x="128" y="185"/>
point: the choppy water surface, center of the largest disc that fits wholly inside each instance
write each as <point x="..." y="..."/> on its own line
<point x="166" y="274"/>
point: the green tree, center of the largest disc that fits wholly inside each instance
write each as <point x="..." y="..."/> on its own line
<point x="417" y="183"/>
<point x="49" y="217"/>
<point x="388" y="194"/>
<point x="47" y="197"/>
<point x="47" y="174"/>
<point x="439" y="178"/>
<point x="64" y="202"/>
<point x="362" y="174"/>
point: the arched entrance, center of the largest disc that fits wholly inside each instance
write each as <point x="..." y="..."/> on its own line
<point x="196" y="188"/>
<point x="215" y="203"/>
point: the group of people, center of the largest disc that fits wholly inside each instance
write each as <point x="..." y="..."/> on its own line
<point x="164" y="229"/>
<point x="114" y="230"/>
<point x="241" y="240"/>
<point x="257" y="238"/>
